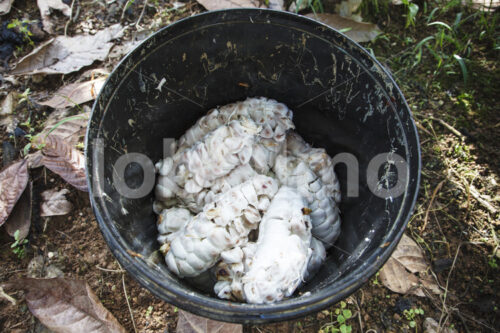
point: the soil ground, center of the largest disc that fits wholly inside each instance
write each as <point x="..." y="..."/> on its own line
<point x="459" y="128"/>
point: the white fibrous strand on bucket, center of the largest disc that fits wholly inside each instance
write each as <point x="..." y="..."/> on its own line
<point x="246" y="202"/>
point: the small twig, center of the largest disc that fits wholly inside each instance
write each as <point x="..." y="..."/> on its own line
<point x="419" y="125"/>
<point x="449" y="127"/>
<point x="142" y="14"/>
<point x="110" y="270"/>
<point x="70" y="18"/>
<point x="125" y="7"/>
<point x="445" y="296"/>
<point x="64" y="234"/>
<point x="7" y="297"/>
<point x="483" y="202"/>
<point x="128" y="303"/>
<point x="475" y="194"/>
<point x="463" y="321"/>
<point x="19" y="323"/>
<point x="436" y="190"/>
<point x="359" y="311"/>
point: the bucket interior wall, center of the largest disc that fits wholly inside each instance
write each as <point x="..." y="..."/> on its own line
<point x="341" y="99"/>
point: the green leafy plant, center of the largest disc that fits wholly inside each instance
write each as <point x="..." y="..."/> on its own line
<point x="411" y="316"/>
<point x="341" y="315"/>
<point x="411" y="12"/>
<point x="493" y="262"/>
<point x="22" y="27"/>
<point x="315" y="5"/>
<point x="129" y="4"/>
<point x="19" y="245"/>
<point x="370" y="10"/>
<point x="33" y="138"/>
<point x="149" y="311"/>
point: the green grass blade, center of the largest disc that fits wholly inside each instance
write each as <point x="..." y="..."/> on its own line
<point x="440" y="24"/>
<point x="463" y="67"/>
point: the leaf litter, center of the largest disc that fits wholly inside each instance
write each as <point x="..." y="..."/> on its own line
<point x="55" y="203"/>
<point x="357" y="31"/>
<point x="63" y="159"/>
<point x="13" y="181"/>
<point x="63" y="55"/>
<point x="399" y="272"/>
<point x="66" y="305"/>
<point x="20" y="217"/>
<point x="188" y="323"/>
<point x="46" y="7"/>
<point x="8" y="104"/>
<point x="75" y="94"/>
<point x="69" y="128"/>
<point x="5" y="6"/>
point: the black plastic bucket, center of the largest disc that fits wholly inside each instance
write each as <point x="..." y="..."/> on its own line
<point x="342" y="99"/>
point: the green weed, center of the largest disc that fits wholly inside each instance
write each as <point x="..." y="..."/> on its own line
<point x="411" y="316"/>
<point x="22" y="27"/>
<point x="19" y="245"/>
<point x="341" y="316"/>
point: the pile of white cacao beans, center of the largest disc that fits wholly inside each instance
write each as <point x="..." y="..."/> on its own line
<point x="244" y="199"/>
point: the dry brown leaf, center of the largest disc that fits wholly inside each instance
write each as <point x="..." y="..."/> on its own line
<point x="190" y="323"/>
<point x="428" y="283"/>
<point x="225" y="4"/>
<point x="359" y="31"/>
<point x="62" y="55"/>
<point x="66" y="305"/>
<point x="5" y="6"/>
<point x="8" y="104"/>
<point x="399" y="273"/>
<point x="34" y="160"/>
<point x="395" y="277"/>
<point x="20" y="218"/>
<point x="46" y="6"/>
<point x="119" y="51"/>
<point x="13" y="181"/>
<point x="55" y="203"/>
<point x="9" y="123"/>
<point x="75" y="94"/>
<point x="70" y="129"/>
<point x="432" y="326"/>
<point x="63" y="159"/>
<point x="410" y="255"/>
